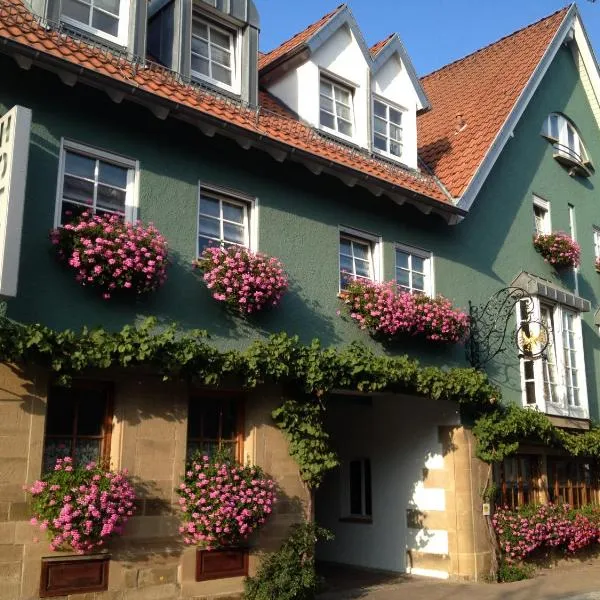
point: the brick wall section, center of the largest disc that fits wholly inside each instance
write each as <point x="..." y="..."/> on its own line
<point x="149" y="439"/>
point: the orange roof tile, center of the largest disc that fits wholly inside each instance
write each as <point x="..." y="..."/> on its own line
<point x="472" y="98"/>
<point x="271" y="121"/>
<point x="295" y="41"/>
<point x="375" y="49"/>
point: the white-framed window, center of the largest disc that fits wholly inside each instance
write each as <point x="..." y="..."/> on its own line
<point x="95" y="180"/>
<point x="222" y="5"/>
<point x="357" y="502"/>
<point x="225" y="219"/>
<point x="567" y="140"/>
<point x="596" y="232"/>
<point x="414" y="270"/>
<point x="214" y="55"/>
<point x="554" y="383"/>
<point x="359" y="256"/>
<point x="541" y="216"/>
<point x="107" y="19"/>
<point x="387" y="128"/>
<point x="336" y="109"/>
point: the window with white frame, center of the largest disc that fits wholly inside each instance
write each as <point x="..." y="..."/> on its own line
<point x="596" y="230"/>
<point x="359" y="498"/>
<point x="567" y="141"/>
<point x="108" y="19"/>
<point x="222" y="5"/>
<point x="555" y="383"/>
<point x="336" y="111"/>
<point x="213" y="54"/>
<point x="95" y="181"/>
<point x="541" y="216"/>
<point x="358" y="257"/>
<point x="387" y="128"/>
<point x="414" y="270"/>
<point x="222" y="220"/>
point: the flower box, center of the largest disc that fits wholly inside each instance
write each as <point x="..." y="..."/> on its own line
<point x="558" y="249"/>
<point x="74" y="575"/>
<point x="221" y="563"/>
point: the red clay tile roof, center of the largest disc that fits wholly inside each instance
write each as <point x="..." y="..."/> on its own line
<point x="295" y="41"/>
<point x="272" y="121"/>
<point x="375" y="49"/>
<point x="480" y="91"/>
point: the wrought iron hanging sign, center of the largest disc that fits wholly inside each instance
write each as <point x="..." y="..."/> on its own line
<point x="491" y="327"/>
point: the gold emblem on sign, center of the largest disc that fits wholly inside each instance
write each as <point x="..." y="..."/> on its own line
<point x="532" y="343"/>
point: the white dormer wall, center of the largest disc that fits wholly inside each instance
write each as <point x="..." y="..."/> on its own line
<point x="392" y="83"/>
<point x="340" y="57"/>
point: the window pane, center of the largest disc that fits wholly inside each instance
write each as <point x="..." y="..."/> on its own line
<point x="381" y="127"/>
<point x="60" y="415"/>
<point x="105" y="22"/>
<point x="223" y="57"/>
<point x="233" y="212"/>
<point x="76" y="10"/>
<point x="403" y="277"/>
<point x="326" y="104"/>
<point x="528" y="369"/>
<point x="368" y="500"/>
<point x="345" y="246"/>
<point x="395" y="116"/>
<point x="109" y="5"/>
<point x="200" y="29"/>
<point x="342" y="95"/>
<point x="78" y="190"/>
<point x="210" y="227"/>
<point x="360" y="250"/>
<point x="228" y="420"/>
<point x="209" y="206"/>
<point x="195" y="418"/>
<point x="345" y="128"/>
<point x="530" y="392"/>
<point x="395" y="148"/>
<point x="343" y="112"/>
<point x="327" y="120"/>
<point x="326" y="89"/>
<point x="69" y="212"/>
<point x="211" y="415"/>
<point x="380" y="143"/>
<point x="233" y="233"/>
<point x="402" y="259"/>
<point x="220" y="38"/>
<point x="112" y="175"/>
<point x="356" y="507"/>
<point x="199" y="47"/>
<point x="346" y="264"/>
<point x="87" y="451"/>
<point x="53" y="449"/>
<point x="379" y="109"/>
<point x="221" y="74"/>
<point x="82" y="166"/>
<point x="418" y="282"/>
<point x="200" y="65"/>
<point x="363" y="268"/>
<point x="395" y="133"/>
<point x="111" y="199"/>
<point x="91" y="412"/>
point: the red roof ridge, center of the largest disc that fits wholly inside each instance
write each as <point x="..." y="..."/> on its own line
<point x="379" y="46"/>
<point x="296" y="40"/>
<point x="565" y="9"/>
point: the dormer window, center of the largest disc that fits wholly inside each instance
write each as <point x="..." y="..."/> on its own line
<point x="213" y="54"/>
<point x="568" y="145"/>
<point x="336" y="107"/>
<point x="222" y="5"/>
<point x="387" y="129"/>
<point x="108" y="19"/>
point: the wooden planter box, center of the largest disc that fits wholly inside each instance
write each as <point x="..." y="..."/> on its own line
<point x="77" y="575"/>
<point x="219" y="564"/>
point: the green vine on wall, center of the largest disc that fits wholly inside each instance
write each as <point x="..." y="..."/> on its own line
<point x="309" y="369"/>
<point x="500" y="433"/>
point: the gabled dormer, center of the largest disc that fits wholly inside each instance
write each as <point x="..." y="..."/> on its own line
<point x="214" y="43"/>
<point x="366" y="97"/>
<point x="118" y="23"/>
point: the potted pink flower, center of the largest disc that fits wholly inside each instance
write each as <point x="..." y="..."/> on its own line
<point x="558" y="249"/>
<point x="222" y="504"/>
<point x="105" y="252"/>
<point x="385" y="311"/>
<point x="246" y="281"/>
<point x="81" y="507"/>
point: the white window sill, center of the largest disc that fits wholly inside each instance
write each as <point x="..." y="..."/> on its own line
<point x="203" y="79"/>
<point x="337" y="134"/>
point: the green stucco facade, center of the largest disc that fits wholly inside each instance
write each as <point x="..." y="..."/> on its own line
<point x="299" y="217"/>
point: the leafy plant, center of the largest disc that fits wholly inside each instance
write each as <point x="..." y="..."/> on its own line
<point x="384" y="310"/>
<point x="289" y="573"/>
<point x="558" y="249"/>
<point x="511" y="572"/>
<point x="81" y="507"/>
<point x="222" y="502"/>
<point x="109" y="254"/>
<point x="247" y="281"/>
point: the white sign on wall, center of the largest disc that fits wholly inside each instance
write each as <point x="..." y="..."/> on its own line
<point x="15" y="127"/>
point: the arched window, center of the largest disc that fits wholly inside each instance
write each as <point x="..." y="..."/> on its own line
<point x="568" y="145"/>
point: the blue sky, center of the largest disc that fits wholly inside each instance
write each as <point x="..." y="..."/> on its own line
<point x="435" y="32"/>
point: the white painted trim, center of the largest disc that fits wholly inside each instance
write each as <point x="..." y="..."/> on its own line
<point x="132" y="194"/>
<point x="376" y="248"/>
<point x="250" y="204"/>
<point x="506" y="131"/>
<point x="544" y="205"/>
<point x="425" y="255"/>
